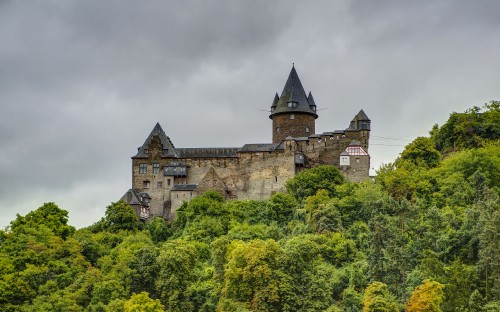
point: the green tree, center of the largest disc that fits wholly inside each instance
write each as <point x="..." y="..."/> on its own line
<point x="50" y="215"/>
<point x="489" y="243"/>
<point x="177" y="262"/>
<point x="321" y="214"/>
<point x="470" y="129"/>
<point x="426" y="297"/>
<point x="476" y="302"/>
<point x="142" y="303"/>
<point x="421" y="153"/>
<point x="281" y="207"/>
<point x="253" y="278"/>
<point x="308" y="182"/>
<point x="377" y="298"/>
<point x="120" y="216"/>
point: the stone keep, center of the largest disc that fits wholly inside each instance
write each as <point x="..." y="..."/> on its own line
<point x="166" y="176"/>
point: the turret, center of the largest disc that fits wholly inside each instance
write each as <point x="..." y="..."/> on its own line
<point x="293" y="113"/>
<point x="361" y="125"/>
<point x="360" y="122"/>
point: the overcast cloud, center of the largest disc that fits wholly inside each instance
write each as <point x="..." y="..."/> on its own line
<point x="82" y="83"/>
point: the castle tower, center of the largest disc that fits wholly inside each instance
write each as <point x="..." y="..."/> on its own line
<point x="293" y="113"/>
<point x="361" y="124"/>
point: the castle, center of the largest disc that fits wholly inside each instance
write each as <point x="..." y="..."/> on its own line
<point x="163" y="176"/>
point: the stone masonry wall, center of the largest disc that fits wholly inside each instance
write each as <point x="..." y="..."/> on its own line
<point x="359" y="169"/>
<point x="284" y="127"/>
<point x="255" y="175"/>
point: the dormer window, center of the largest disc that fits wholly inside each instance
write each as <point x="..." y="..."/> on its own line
<point x="165" y="151"/>
<point x="292" y="104"/>
<point x="273" y="108"/>
<point x="146" y="151"/>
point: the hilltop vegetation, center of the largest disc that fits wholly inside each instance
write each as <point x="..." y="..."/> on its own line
<point x="423" y="237"/>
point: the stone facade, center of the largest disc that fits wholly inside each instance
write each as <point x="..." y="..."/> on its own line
<point x="292" y="125"/>
<point x="171" y="175"/>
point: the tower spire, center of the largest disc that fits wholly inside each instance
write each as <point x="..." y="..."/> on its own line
<point x="293" y="98"/>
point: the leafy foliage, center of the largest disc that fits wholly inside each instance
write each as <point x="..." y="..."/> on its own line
<point x="424" y="236"/>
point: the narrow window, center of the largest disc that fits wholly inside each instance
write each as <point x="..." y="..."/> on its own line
<point x="275" y="179"/>
<point x="307" y="129"/>
<point x="292" y="116"/>
<point x="143" y="168"/>
<point x="159" y="184"/>
<point x="277" y="129"/>
<point x="156" y="168"/>
<point x="357" y="159"/>
<point x="168" y="182"/>
<point x="145" y="184"/>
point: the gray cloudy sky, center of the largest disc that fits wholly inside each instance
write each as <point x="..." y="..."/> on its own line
<point x="82" y="83"/>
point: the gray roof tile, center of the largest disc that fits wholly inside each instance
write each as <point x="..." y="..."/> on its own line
<point x="268" y="147"/>
<point x="293" y="92"/>
<point x="207" y="152"/>
<point x="184" y="187"/>
<point x="167" y="144"/>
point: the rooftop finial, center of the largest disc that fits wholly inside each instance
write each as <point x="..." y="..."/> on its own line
<point x="293" y="65"/>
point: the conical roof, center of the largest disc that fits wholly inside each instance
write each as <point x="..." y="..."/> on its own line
<point x="310" y="99"/>
<point x="168" y="146"/>
<point x="275" y="101"/>
<point x="293" y="92"/>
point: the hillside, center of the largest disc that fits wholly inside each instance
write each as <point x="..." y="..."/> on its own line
<point x="424" y="236"/>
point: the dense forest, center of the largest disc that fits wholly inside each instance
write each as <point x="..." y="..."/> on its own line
<point x="423" y="236"/>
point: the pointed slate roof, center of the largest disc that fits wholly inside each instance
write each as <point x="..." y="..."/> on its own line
<point x="275" y="101"/>
<point x="361" y="116"/>
<point x="167" y="144"/>
<point x="360" y="122"/>
<point x="293" y="92"/>
<point x="311" y="101"/>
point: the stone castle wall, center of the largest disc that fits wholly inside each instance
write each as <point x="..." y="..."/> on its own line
<point x="253" y="175"/>
<point x="302" y="125"/>
<point x="250" y="175"/>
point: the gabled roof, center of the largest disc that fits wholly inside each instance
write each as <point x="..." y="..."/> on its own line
<point x="133" y="197"/>
<point x="355" y="150"/>
<point x="293" y="92"/>
<point x="361" y="116"/>
<point x="359" y="122"/>
<point x="166" y="143"/>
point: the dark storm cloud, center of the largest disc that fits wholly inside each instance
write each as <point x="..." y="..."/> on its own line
<point x="83" y="82"/>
